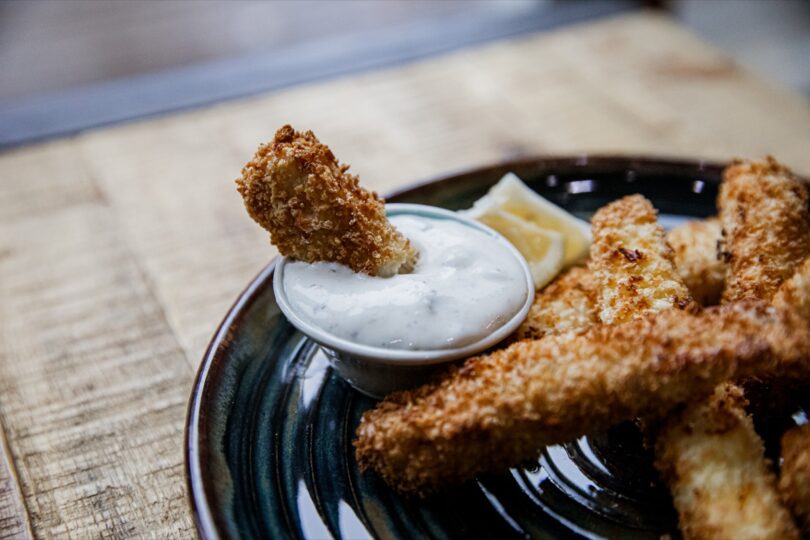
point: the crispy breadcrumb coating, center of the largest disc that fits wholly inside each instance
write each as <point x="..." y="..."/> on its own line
<point x="632" y="262"/>
<point x="721" y="484"/>
<point x="766" y="227"/>
<point x="567" y="303"/>
<point x="713" y="441"/>
<point x="498" y="410"/>
<point x="792" y="291"/>
<point x="697" y="260"/>
<point x="714" y="463"/>
<point x="794" y="476"/>
<point x="315" y="210"/>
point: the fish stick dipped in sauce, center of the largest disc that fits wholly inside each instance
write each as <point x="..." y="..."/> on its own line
<point x="352" y="277"/>
<point x="315" y="210"/>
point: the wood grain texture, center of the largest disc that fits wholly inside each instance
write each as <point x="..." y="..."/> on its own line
<point x="121" y="249"/>
<point x="93" y="385"/>
<point x="14" y="521"/>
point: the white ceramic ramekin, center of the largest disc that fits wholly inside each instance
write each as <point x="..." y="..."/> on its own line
<point x="377" y="371"/>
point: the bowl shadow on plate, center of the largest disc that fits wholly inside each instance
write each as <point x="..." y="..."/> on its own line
<point x="269" y="438"/>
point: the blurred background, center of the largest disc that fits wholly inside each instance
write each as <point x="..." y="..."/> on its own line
<point x="51" y="47"/>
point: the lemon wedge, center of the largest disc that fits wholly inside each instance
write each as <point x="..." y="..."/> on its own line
<point x="548" y="237"/>
<point x="512" y="196"/>
<point x="542" y="248"/>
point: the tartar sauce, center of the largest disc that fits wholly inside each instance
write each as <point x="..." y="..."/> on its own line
<point x="465" y="285"/>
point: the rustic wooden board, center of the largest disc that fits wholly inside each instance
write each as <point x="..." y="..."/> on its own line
<point x="122" y="248"/>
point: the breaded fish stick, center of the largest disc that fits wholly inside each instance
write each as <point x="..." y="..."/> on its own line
<point x="567" y="303"/>
<point x="632" y="262"/>
<point x="499" y="410"/>
<point x="697" y="260"/>
<point x="766" y="227"/>
<point x="756" y="201"/>
<point x="794" y="476"/>
<point x="714" y="463"/>
<point x="315" y="210"/>
<point x="710" y="456"/>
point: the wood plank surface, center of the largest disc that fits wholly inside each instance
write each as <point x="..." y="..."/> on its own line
<point x="93" y="384"/>
<point x="14" y="521"/>
<point x="121" y="249"/>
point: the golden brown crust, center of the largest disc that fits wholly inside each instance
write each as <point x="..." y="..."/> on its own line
<point x="499" y="410"/>
<point x="793" y="292"/>
<point x="794" y="476"/>
<point x="632" y="262"/>
<point x="315" y="210"/>
<point x="695" y="247"/>
<point x="710" y="456"/>
<point x="766" y="227"/>
<point x="567" y="303"/>
<point x="714" y="463"/>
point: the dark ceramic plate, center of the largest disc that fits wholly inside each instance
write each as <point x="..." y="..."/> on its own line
<point x="270" y="426"/>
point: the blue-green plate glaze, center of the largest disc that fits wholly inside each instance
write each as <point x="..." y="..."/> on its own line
<point x="270" y="426"/>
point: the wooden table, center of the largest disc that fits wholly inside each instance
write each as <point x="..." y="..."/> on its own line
<point x="122" y="248"/>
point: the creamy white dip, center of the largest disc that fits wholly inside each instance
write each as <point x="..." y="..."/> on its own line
<point x="466" y="284"/>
